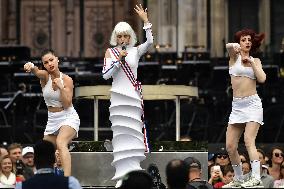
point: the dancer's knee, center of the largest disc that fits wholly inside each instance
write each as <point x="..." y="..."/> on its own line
<point x="61" y="144"/>
<point x="249" y="142"/>
<point x="231" y="147"/>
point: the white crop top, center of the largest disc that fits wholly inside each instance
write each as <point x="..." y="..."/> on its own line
<point x="51" y="97"/>
<point x="239" y="70"/>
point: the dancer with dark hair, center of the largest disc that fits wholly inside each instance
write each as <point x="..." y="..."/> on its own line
<point x="126" y="109"/>
<point x="63" y="120"/>
<point x="247" y="113"/>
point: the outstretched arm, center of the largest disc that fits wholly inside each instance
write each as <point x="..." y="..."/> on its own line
<point x="41" y="74"/>
<point x="110" y="66"/>
<point x="257" y="68"/>
<point x="233" y="49"/>
<point x="142" y="49"/>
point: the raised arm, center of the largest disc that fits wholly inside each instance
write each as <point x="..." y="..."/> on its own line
<point x="66" y="90"/>
<point x="233" y="49"/>
<point x="41" y="74"/>
<point x="257" y="68"/>
<point x="110" y="66"/>
<point x="142" y="49"/>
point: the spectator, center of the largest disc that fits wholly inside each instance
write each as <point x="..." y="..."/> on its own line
<point x="7" y="177"/>
<point x="221" y="157"/>
<point x="177" y="174"/>
<point x="44" y="159"/>
<point x="280" y="182"/>
<point x="276" y="157"/>
<point x="3" y="152"/>
<point x="227" y="177"/>
<point x="21" y="171"/>
<point x="216" y="174"/>
<point x="210" y="159"/>
<point x="194" y="174"/>
<point x="246" y="167"/>
<point x="137" y="179"/>
<point x="267" y="180"/>
<point x="28" y="158"/>
<point x="210" y="168"/>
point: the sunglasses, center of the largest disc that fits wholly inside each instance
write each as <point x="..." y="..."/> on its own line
<point x="278" y="154"/>
<point x="222" y="156"/>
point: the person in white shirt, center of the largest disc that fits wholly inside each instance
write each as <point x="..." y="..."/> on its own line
<point x="63" y="120"/>
<point x="7" y="177"/>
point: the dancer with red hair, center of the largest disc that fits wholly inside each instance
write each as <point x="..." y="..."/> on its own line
<point x="247" y="112"/>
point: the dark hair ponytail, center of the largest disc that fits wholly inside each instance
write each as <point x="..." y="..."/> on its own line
<point x="47" y="51"/>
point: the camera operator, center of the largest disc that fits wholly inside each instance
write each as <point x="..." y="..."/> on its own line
<point x="22" y="172"/>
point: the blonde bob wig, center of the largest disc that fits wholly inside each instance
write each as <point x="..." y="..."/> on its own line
<point x="123" y="28"/>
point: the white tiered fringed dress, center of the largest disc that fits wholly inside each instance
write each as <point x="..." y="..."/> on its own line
<point x="125" y="109"/>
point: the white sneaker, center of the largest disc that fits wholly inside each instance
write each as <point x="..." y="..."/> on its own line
<point x="236" y="183"/>
<point x="252" y="182"/>
<point x="118" y="183"/>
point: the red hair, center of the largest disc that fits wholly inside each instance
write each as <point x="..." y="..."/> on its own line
<point x="256" y="39"/>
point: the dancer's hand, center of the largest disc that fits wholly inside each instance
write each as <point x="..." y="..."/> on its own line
<point x="28" y="66"/>
<point x="142" y="13"/>
<point x="247" y="60"/>
<point x="237" y="47"/>
<point x="57" y="82"/>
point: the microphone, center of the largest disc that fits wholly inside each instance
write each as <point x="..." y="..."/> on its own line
<point x="123" y="58"/>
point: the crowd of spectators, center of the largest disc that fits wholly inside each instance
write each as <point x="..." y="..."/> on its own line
<point x="23" y="167"/>
<point x="37" y="166"/>
<point x="220" y="170"/>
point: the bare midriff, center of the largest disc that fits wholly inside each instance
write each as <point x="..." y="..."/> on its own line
<point x="55" y="109"/>
<point x="243" y="86"/>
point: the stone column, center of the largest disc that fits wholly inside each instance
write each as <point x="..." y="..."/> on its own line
<point x="264" y="23"/>
<point x="163" y="17"/>
<point x="12" y="22"/>
<point x="69" y="28"/>
<point x="219" y="27"/>
<point x="1" y="22"/>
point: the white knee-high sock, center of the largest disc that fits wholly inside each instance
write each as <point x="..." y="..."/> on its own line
<point x="255" y="169"/>
<point x="238" y="171"/>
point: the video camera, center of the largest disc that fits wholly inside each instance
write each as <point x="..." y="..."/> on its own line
<point x="19" y="167"/>
<point x="154" y="173"/>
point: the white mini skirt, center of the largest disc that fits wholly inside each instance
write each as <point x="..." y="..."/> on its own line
<point x="67" y="117"/>
<point x="246" y="109"/>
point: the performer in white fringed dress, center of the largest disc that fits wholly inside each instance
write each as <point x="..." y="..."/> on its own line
<point x="126" y="109"/>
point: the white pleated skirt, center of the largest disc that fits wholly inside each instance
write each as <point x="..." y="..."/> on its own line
<point x="246" y="109"/>
<point x="67" y="117"/>
<point x="128" y="139"/>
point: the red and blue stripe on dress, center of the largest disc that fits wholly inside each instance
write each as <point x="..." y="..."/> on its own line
<point x="138" y="87"/>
